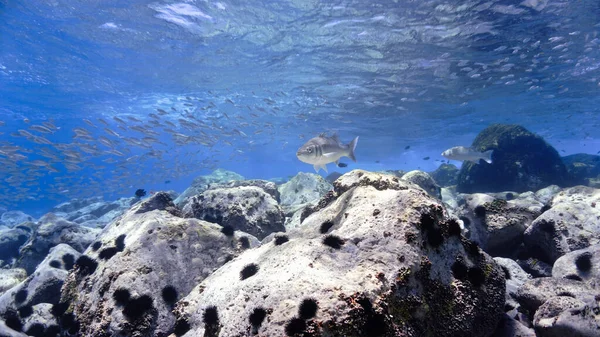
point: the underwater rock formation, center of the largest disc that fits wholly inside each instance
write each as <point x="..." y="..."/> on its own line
<point x="570" y="224"/>
<point x="302" y="189"/>
<point x="50" y="232"/>
<point x="12" y="218"/>
<point x="515" y="278"/>
<point x="510" y="327"/>
<point x="535" y="292"/>
<point x="560" y="307"/>
<point x="582" y="168"/>
<point x="497" y="225"/>
<point x="6" y="331"/>
<point x="10" y="278"/>
<point x="203" y="183"/>
<point x="522" y="161"/>
<point x="331" y="177"/>
<point x="425" y="181"/>
<point x="445" y="175"/>
<point x="268" y="186"/>
<point x="28" y="306"/>
<point x="140" y="266"/>
<point x="74" y="204"/>
<point x="582" y="264"/>
<point x="246" y="208"/>
<point x="376" y="257"/>
<point x="11" y="240"/>
<point x="567" y="316"/>
<point x="92" y="212"/>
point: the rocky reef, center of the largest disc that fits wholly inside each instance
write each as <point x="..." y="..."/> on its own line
<point x="373" y="254"/>
<point x="378" y="258"/>
<point x="522" y="161"/>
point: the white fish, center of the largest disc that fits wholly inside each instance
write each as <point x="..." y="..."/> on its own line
<point x="321" y="150"/>
<point x="467" y="154"/>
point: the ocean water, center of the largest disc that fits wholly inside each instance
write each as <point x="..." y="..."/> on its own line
<point x="100" y="98"/>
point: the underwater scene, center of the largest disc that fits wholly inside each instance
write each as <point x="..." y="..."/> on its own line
<point x="334" y="168"/>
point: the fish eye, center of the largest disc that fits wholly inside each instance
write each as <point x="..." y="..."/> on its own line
<point x="309" y="150"/>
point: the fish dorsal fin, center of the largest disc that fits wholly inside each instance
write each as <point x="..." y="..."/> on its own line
<point x="335" y="138"/>
<point x="323" y="134"/>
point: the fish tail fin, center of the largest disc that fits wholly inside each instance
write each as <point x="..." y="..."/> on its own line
<point x="487" y="156"/>
<point x="351" y="148"/>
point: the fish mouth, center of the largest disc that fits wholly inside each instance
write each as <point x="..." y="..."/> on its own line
<point x="303" y="159"/>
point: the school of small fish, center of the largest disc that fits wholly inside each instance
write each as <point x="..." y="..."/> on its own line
<point x="110" y="153"/>
<point x="380" y="63"/>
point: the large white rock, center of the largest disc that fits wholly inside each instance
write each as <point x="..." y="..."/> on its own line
<point x="302" y="189"/>
<point x="378" y="256"/>
<point x="155" y="257"/>
<point x="570" y="224"/>
<point x="203" y="183"/>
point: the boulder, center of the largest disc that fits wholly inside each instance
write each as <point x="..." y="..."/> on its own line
<point x="570" y="224"/>
<point x="546" y="194"/>
<point x="522" y="161"/>
<point x="331" y="177"/>
<point x="535" y="292"/>
<point x="495" y="224"/>
<point x="582" y="167"/>
<point x="562" y="316"/>
<point x="13" y="218"/>
<point x="41" y="321"/>
<point x="396" y="173"/>
<point x="202" y="183"/>
<point x="85" y="218"/>
<point x="449" y="197"/>
<point x="144" y="262"/>
<point x="445" y="175"/>
<point x="23" y="302"/>
<point x="594" y="182"/>
<point x="515" y="277"/>
<point x="293" y="221"/>
<point x="280" y="180"/>
<point x="93" y="212"/>
<point x="303" y="189"/>
<point x="6" y="331"/>
<point x="247" y="208"/>
<point x="268" y="186"/>
<point x="51" y="232"/>
<point x="375" y="257"/>
<point x="510" y="327"/>
<point x="10" y="278"/>
<point x="96" y="210"/>
<point x="425" y="181"/>
<point x="535" y="267"/>
<point x="75" y="204"/>
<point x="159" y="201"/>
<point x="11" y="239"/>
<point x="582" y="264"/>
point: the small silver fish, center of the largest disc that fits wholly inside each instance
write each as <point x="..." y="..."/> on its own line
<point x="321" y="150"/>
<point x="467" y="154"/>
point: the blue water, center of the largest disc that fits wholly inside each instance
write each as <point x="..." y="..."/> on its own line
<point x="259" y="78"/>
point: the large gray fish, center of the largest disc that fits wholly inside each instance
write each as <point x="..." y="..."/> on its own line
<point x="467" y="154"/>
<point x="321" y="150"/>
